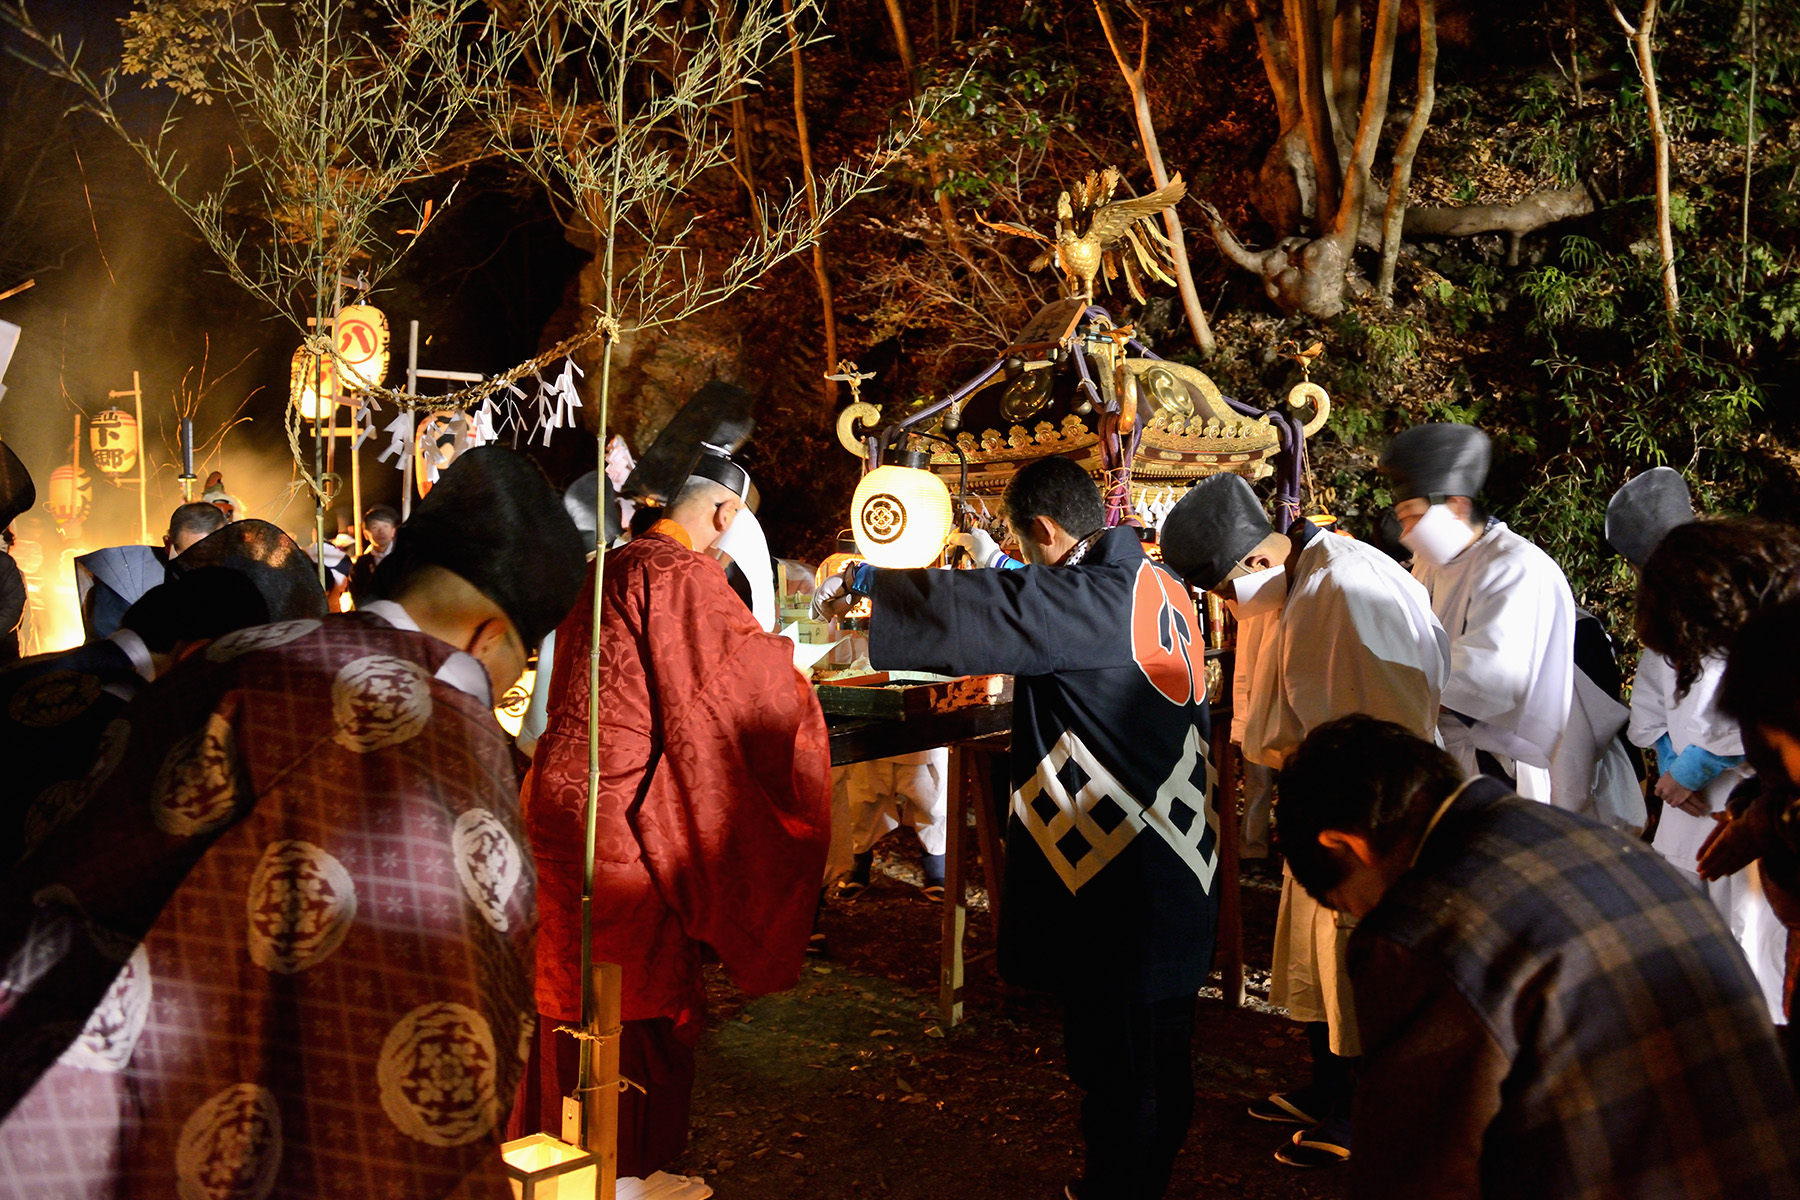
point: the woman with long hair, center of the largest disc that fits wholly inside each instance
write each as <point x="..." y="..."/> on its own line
<point x="1702" y="583"/>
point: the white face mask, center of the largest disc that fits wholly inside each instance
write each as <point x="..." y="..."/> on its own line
<point x="1438" y="536"/>
<point x="1258" y="592"/>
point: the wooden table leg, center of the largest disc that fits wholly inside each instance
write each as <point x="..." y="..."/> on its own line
<point x="1230" y="941"/>
<point x="987" y="782"/>
<point x="956" y="913"/>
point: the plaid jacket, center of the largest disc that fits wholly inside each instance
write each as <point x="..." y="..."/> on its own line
<point x="1549" y="1011"/>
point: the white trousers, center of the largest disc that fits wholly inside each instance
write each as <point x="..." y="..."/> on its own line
<point x="872" y="799"/>
<point x="1308" y="975"/>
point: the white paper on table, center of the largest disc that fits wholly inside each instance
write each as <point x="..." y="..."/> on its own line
<point x="806" y="654"/>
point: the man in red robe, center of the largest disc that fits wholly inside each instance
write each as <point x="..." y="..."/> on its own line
<point x="714" y="799"/>
<point x="281" y="946"/>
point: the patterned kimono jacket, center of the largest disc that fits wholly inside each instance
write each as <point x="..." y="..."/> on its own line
<point x="1113" y="842"/>
<point x="53" y="710"/>
<point x="715" y="792"/>
<point x="281" y="945"/>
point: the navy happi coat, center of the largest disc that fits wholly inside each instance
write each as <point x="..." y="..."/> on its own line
<point x="1112" y="843"/>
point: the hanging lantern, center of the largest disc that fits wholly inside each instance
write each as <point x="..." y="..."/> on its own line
<point x="309" y="378"/>
<point x="510" y="712"/>
<point x="70" y="494"/>
<point x="543" y="1168"/>
<point x="901" y="514"/>
<point x="362" y="345"/>
<point x="113" y="441"/>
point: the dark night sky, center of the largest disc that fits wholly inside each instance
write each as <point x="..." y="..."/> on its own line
<point x="123" y="283"/>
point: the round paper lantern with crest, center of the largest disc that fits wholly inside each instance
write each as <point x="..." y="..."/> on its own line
<point x="901" y="514"/>
<point x="310" y="377"/>
<point x="70" y="495"/>
<point x="362" y="345"/>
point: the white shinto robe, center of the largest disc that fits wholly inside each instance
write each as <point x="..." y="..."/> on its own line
<point x="1695" y="720"/>
<point x="1511" y="620"/>
<point x="1355" y="635"/>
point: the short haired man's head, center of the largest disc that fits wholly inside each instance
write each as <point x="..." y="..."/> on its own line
<point x="1705" y="580"/>
<point x="380" y="522"/>
<point x="1353" y="802"/>
<point x="1761" y="690"/>
<point x="189" y="523"/>
<point x="1052" y="504"/>
<point x="1219" y="533"/>
<point x="705" y="509"/>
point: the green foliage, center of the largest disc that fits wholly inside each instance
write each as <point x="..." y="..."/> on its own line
<point x="1001" y="105"/>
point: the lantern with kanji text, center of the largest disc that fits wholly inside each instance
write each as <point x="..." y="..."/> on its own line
<point x="113" y="442"/>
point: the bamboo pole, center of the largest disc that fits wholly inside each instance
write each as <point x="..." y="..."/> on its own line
<point x="137" y="390"/>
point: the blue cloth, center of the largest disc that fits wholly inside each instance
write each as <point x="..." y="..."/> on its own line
<point x="1694" y="767"/>
<point x="1665" y="754"/>
<point x="861" y="578"/>
<point x="1008" y="563"/>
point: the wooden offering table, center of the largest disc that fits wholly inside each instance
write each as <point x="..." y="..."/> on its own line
<point x="872" y="716"/>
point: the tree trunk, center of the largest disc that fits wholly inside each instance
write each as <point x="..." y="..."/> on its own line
<point x="1368" y="131"/>
<point x="1159" y="174"/>
<point x="946" y="216"/>
<point x="1345" y="83"/>
<point x="1640" y="37"/>
<point x="812" y="203"/>
<point x="1315" y="111"/>
<point x="1393" y="221"/>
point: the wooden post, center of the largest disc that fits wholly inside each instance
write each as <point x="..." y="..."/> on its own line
<point x="412" y="418"/>
<point x="988" y="839"/>
<point x="137" y="390"/>
<point x="600" y="1107"/>
<point x="1231" y="908"/>
<point x="956" y="912"/>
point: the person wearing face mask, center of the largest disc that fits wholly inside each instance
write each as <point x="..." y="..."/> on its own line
<point x="714" y="791"/>
<point x="1112" y="843"/>
<point x="283" y="933"/>
<point x="1547" y="1011"/>
<point x="1328" y="626"/>
<point x="1505" y="604"/>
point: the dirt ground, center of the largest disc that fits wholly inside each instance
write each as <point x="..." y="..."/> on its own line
<point x="847" y="1086"/>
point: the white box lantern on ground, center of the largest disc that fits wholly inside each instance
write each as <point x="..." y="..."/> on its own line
<point x="543" y="1168"/>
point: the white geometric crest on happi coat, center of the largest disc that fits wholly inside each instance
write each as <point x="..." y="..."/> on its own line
<point x="1082" y="818"/>
<point x="379" y="701"/>
<point x="230" y="1147"/>
<point x="489" y="864"/>
<point x="300" y="906"/>
<point x="438" y="1075"/>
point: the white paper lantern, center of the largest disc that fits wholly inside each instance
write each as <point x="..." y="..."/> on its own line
<point x="901" y="516"/>
<point x="309" y="377"/>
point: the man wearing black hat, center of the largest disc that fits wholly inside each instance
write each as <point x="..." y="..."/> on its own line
<point x="714" y="797"/>
<point x="55" y="708"/>
<point x="293" y="903"/>
<point x="1504" y="603"/>
<point x="1329" y="626"/>
<point x="1112" y="844"/>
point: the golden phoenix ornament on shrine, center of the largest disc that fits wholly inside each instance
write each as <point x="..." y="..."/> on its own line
<point x="1094" y="232"/>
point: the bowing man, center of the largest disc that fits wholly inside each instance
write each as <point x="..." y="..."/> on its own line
<point x="1330" y="626"/>
<point x="1503" y="601"/>
<point x="1112" y="844"/>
